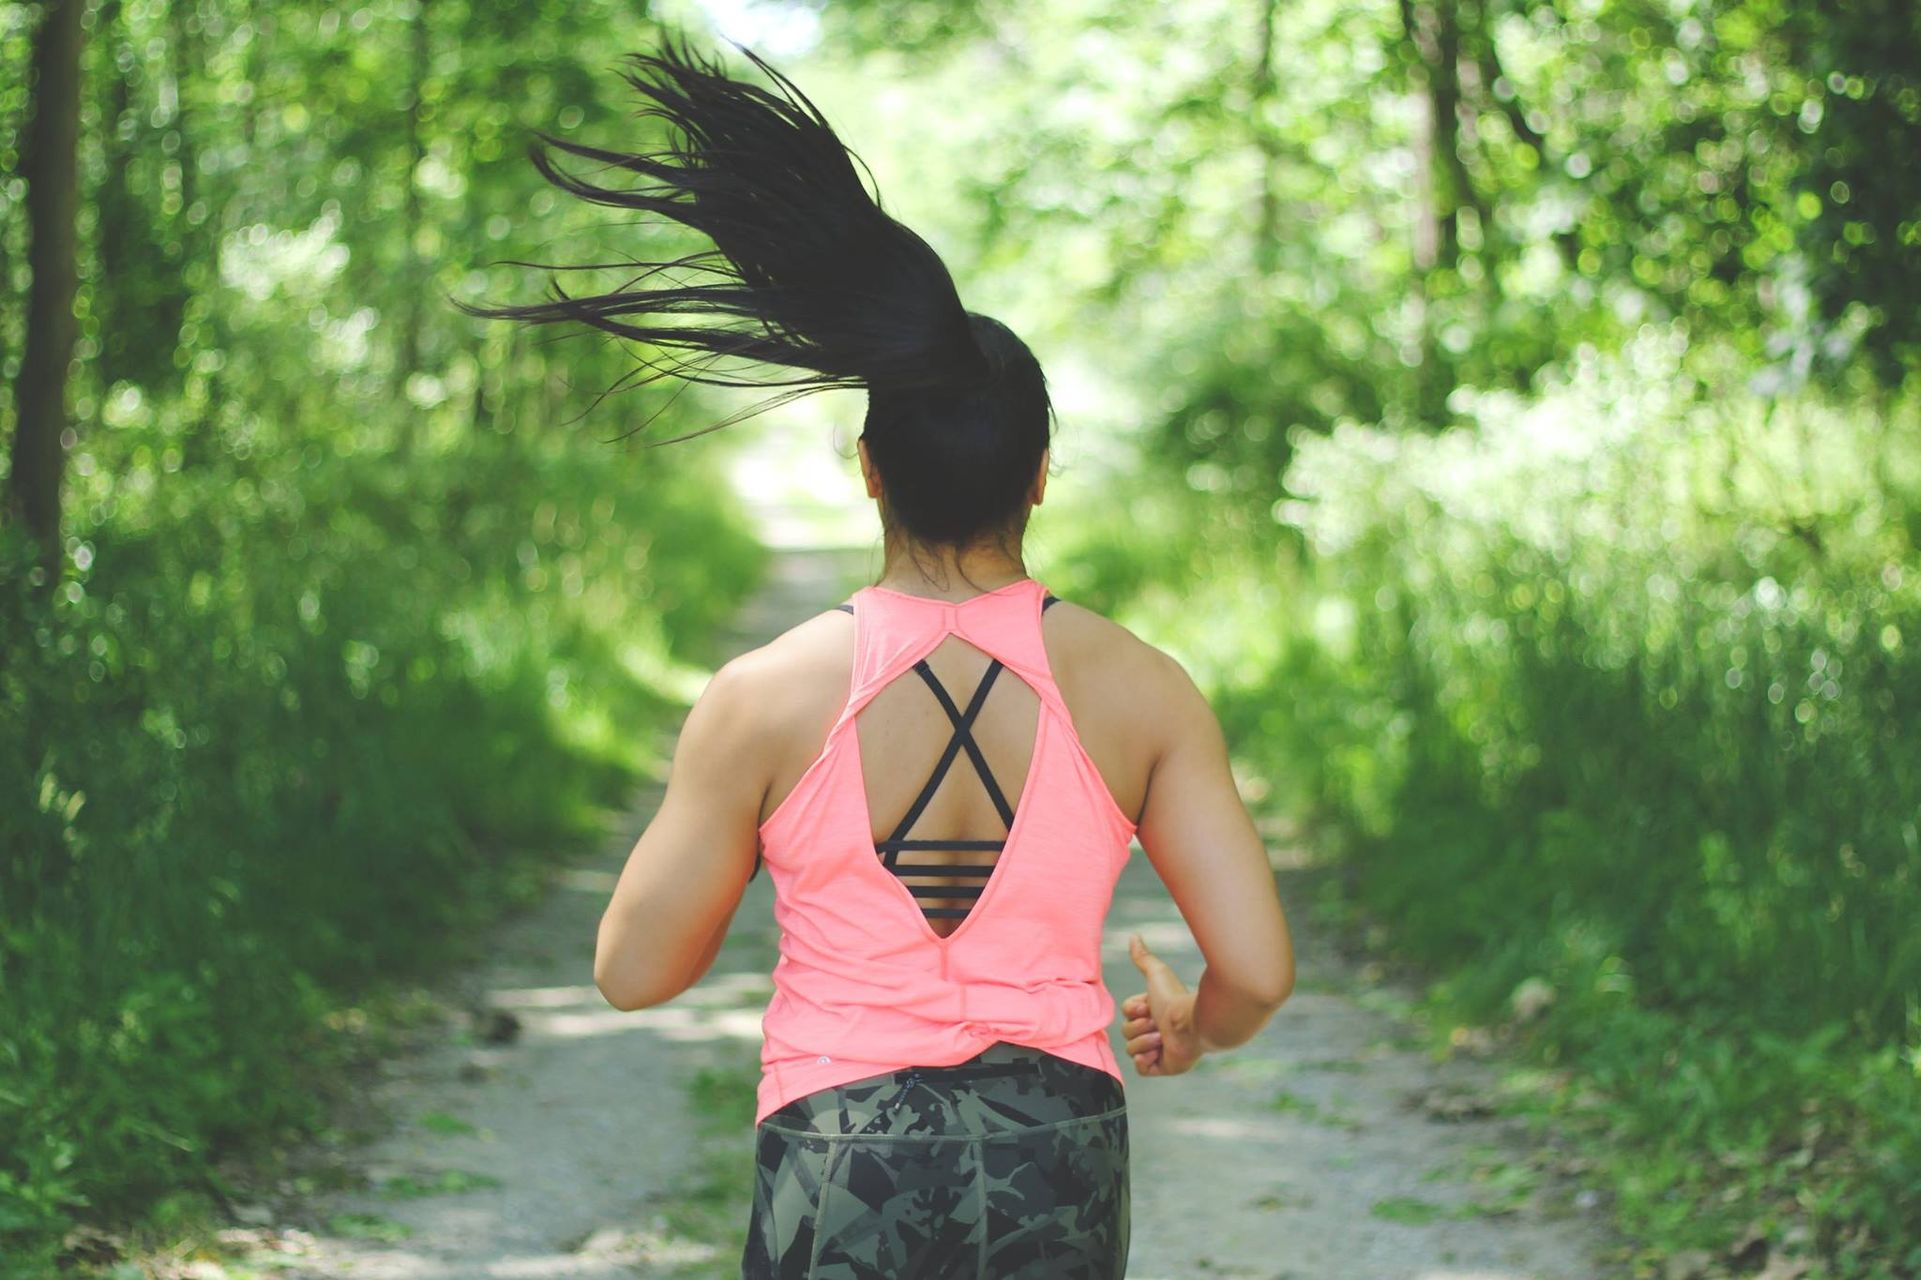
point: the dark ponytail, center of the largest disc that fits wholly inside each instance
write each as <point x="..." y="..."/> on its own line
<point x="808" y="272"/>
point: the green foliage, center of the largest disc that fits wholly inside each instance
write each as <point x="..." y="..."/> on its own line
<point x="704" y="1211"/>
<point x="1234" y="199"/>
<point x="1860" y="103"/>
<point x="1611" y="695"/>
<point x="301" y="728"/>
<point x="1608" y="694"/>
<point x="443" y="1182"/>
<point x="355" y="639"/>
<point x="1632" y="618"/>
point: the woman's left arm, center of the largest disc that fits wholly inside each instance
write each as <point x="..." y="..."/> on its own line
<point x="685" y="876"/>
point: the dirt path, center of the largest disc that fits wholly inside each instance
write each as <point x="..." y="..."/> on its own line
<point x="599" y="1143"/>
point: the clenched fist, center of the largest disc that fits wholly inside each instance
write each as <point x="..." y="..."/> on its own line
<point x="1160" y="1029"/>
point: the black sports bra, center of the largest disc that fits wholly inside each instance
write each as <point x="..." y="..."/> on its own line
<point x="898" y="842"/>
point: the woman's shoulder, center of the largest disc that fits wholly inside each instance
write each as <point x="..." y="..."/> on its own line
<point x="819" y="638"/>
<point x="799" y="676"/>
<point x="1087" y="648"/>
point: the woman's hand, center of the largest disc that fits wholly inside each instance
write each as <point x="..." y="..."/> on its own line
<point x="1160" y="1029"/>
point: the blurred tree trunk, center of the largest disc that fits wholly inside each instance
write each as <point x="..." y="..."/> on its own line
<point x="1267" y="221"/>
<point x="121" y="229"/>
<point x="183" y="34"/>
<point x="115" y="239"/>
<point x="1498" y="93"/>
<point x="260" y="15"/>
<point x="140" y="292"/>
<point x="48" y="161"/>
<point x="408" y="360"/>
<point x="483" y="408"/>
<point x="6" y="290"/>
<point x="192" y="242"/>
<point x="1432" y="32"/>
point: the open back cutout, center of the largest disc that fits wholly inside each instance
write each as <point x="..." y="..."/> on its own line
<point x="945" y="762"/>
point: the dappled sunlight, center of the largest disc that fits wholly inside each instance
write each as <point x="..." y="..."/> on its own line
<point x="1163" y="936"/>
<point x="1227" y="1129"/>
<point x="675" y="1022"/>
<point x="804" y="476"/>
<point x="728" y="988"/>
<point x="609" y="1254"/>
<point x="547" y="997"/>
<point x="712" y="1011"/>
<point x="604" y="1021"/>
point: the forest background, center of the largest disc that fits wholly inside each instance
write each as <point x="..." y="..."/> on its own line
<point x="1505" y="408"/>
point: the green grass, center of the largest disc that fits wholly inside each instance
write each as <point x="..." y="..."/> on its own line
<point x="281" y="755"/>
<point x="442" y="1123"/>
<point x="1291" y="1103"/>
<point x="709" y="1207"/>
<point x="405" y="1186"/>
<point x="1596" y="720"/>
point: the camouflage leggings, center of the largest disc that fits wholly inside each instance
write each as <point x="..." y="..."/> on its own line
<point x="1009" y="1166"/>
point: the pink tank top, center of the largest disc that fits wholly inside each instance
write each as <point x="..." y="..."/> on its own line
<point x="864" y="984"/>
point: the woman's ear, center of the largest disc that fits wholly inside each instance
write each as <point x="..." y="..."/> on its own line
<point x="867" y="471"/>
<point x="1039" y="490"/>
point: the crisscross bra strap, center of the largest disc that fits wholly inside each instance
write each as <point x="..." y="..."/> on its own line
<point x="891" y="848"/>
<point x="963" y="736"/>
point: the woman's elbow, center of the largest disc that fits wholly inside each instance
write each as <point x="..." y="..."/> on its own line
<point x="622" y="998"/>
<point x="1273" y="986"/>
<point x="628" y="991"/>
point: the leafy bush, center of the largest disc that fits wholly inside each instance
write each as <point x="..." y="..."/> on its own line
<point x="295" y="725"/>
<point x="1651" y="650"/>
<point x="1612" y="697"/>
<point x="1615" y="695"/>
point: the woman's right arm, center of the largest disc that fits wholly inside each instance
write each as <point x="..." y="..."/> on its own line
<point x="1203" y="844"/>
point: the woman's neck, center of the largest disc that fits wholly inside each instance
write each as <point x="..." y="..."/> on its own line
<point x="949" y="573"/>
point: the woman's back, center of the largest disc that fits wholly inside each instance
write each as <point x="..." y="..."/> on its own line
<point x="1101" y="669"/>
<point x="1143" y="726"/>
<point x="929" y="908"/>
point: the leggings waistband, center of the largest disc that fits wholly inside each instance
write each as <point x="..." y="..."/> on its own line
<point x="1005" y="1088"/>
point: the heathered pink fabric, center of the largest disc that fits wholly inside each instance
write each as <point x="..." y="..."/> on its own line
<point x="863" y="984"/>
